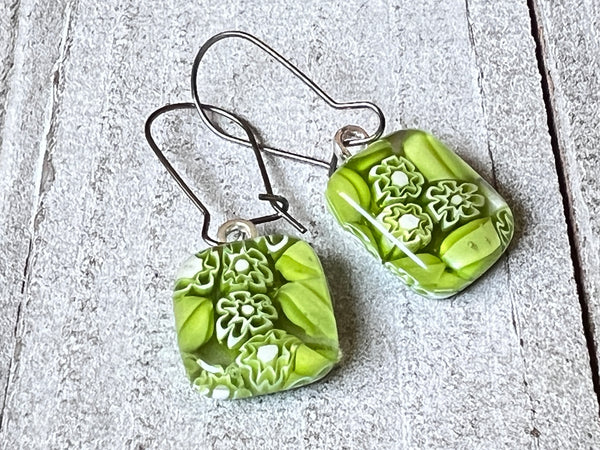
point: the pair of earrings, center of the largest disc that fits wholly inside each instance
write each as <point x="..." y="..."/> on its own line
<point x="254" y="315"/>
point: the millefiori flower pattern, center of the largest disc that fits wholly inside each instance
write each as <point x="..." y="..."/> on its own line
<point x="198" y="274"/>
<point x="504" y="223"/>
<point x="220" y="383"/>
<point x="451" y="202"/>
<point x="242" y="332"/>
<point x="266" y="361"/>
<point x="242" y="315"/>
<point x="406" y="223"/>
<point x="246" y="267"/>
<point x="395" y="179"/>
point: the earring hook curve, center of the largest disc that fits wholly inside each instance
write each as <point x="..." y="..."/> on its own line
<point x="299" y="74"/>
<point x="279" y="203"/>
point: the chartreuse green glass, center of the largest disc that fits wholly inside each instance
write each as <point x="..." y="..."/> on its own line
<point x="254" y="317"/>
<point x="422" y="211"/>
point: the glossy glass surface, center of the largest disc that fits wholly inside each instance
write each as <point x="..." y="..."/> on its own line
<point x="422" y="211"/>
<point x="254" y="317"/>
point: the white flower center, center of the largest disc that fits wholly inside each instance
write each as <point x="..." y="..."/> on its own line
<point x="399" y="178"/>
<point x="267" y="353"/>
<point x="247" y="310"/>
<point x="241" y="265"/>
<point x="456" y="199"/>
<point x="220" y="392"/>
<point x="408" y="222"/>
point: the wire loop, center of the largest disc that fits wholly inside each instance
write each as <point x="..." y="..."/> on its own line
<point x="279" y="203"/>
<point x="299" y="74"/>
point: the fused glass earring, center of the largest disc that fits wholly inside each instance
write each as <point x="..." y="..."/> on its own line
<point x="253" y="315"/>
<point x="413" y="203"/>
<point x="421" y="210"/>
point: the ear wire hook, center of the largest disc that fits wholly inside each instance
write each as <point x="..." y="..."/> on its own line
<point x="279" y="203"/>
<point x="299" y="74"/>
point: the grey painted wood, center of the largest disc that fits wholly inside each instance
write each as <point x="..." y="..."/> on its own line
<point x="29" y="46"/>
<point x="8" y="30"/>
<point x="571" y="33"/>
<point x="503" y="365"/>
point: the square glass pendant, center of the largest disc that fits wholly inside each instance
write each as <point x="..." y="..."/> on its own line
<point x="422" y="211"/>
<point x="254" y="317"/>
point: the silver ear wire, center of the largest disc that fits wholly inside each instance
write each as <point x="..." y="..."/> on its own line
<point x="299" y="74"/>
<point x="278" y="203"/>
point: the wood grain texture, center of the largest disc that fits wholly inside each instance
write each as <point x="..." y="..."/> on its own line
<point x="503" y="365"/>
<point x="9" y="13"/>
<point x="8" y="29"/>
<point x="571" y="34"/>
<point x="30" y="45"/>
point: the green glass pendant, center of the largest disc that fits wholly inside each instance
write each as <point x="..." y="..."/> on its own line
<point x="422" y="211"/>
<point x="254" y="317"/>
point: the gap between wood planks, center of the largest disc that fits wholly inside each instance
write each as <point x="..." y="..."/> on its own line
<point x="548" y="94"/>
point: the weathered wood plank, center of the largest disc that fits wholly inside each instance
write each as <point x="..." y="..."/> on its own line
<point x="540" y="272"/>
<point x="8" y="31"/>
<point x="571" y="36"/>
<point x="8" y="28"/>
<point x="29" y="47"/>
<point x="502" y="365"/>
